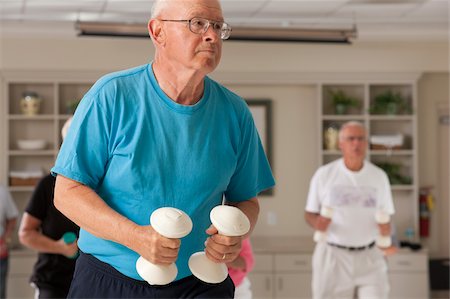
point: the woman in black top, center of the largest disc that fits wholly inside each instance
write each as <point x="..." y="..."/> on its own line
<point x="42" y="229"/>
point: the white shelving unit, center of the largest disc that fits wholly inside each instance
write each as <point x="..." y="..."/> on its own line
<point x="56" y="95"/>
<point x="403" y="122"/>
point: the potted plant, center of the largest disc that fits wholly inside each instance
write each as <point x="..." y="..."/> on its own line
<point x="341" y="101"/>
<point x="388" y="102"/>
<point x="393" y="172"/>
<point x="71" y="106"/>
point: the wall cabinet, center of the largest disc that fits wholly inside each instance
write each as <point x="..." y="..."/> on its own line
<point x="281" y="276"/>
<point x="20" y="267"/>
<point x="388" y="111"/>
<point x="408" y="274"/>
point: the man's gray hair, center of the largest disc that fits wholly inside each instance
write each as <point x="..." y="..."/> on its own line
<point x="351" y="123"/>
<point x="157" y="7"/>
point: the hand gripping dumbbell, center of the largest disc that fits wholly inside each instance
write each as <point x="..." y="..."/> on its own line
<point x="229" y="221"/>
<point x="382" y="217"/>
<point x="170" y="223"/>
<point x="69" y="238"/>
<point x="326" y="212"/>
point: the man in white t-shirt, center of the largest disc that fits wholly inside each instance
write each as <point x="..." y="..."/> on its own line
<point x="8" y="218"/>
<point x="347" y="264"/>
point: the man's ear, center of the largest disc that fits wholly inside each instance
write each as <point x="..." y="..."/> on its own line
<point x="156" y="31"/>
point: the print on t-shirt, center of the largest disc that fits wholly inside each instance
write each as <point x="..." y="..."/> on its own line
<point x="351" y="196"/>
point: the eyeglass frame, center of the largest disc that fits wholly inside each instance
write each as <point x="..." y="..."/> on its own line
<point x="354" y="138"/>
<point x="205" y="28"/>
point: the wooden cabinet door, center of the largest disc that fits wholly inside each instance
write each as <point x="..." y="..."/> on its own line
<point x="293" y="285"/>
<point x="262" y="285"/>
<point x="408" y="285"/>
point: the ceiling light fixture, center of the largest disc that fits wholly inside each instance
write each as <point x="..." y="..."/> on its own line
<point x="238" y="33"/>
<point x="294" y="35"/>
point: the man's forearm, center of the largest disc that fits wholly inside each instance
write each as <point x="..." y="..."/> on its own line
<point x="251" y="209"/>
<point x="84" y="207"/>
<point x="311" y="219"/>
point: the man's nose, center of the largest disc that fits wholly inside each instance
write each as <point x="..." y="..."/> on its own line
<point x="211" y="34"/>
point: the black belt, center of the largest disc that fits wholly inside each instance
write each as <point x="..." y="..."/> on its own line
<point x="353" y="248"/>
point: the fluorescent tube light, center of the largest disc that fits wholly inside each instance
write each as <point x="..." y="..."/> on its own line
<point x="238" y="33"/>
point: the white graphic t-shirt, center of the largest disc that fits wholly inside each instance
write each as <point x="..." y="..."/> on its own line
<point x="354" y="197"/>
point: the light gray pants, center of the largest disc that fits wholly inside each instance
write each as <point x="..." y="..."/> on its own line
<point x="343" y="274"/>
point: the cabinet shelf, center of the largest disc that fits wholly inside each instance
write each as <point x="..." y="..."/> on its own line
<point x="402" y="187"/>
<point x="391" y="152"/>
<point x="21" y="188"/>
<point x="397" y="117"/>
<point x="32" y="153"/>
<point x="31" y="118"/>
<point x="343" y="117"/>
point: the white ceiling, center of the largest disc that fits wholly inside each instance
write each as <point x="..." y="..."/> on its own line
<point x="425" y="20"/>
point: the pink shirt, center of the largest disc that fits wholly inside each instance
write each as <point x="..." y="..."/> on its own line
<point x="237" y="275"/>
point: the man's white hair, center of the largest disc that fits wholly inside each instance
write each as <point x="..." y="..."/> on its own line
<point x="159" y="5"/>
<point x="157" y="8"/>
<point x="351" y="123"/>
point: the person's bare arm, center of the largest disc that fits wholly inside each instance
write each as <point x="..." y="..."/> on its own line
<point x="5" y="239"/>
<point x="316" y="221"/>
<point x="84" y="207"/>
<point x="251" y="209"/>
<point x="219" y="246"/>
<point x="9" y="229"/>
<point x="30" y="235"/>
<point x="384" y="229"/>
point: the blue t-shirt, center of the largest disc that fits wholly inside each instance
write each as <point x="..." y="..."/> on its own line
<point x="139" y="151"/>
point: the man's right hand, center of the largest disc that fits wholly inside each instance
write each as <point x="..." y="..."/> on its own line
<point x="154" y="247"/>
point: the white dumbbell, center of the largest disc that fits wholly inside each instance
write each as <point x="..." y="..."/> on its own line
<point x="170" y="223"/>
<point x="229" y="221"/>
<point x="326" y="212"/>
<point x="382" y="217"/>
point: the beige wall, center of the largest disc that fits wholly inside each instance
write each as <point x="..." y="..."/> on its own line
<point x="434" y="95"/>
<point x="295" y="110"/>
<point x="90" y="53"/>
<point x="295" y="155"/>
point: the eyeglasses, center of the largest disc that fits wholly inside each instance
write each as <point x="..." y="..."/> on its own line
<point x="353" y="138"/>
<point x="200" y="26"/>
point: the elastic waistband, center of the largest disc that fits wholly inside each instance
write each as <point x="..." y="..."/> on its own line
<point x="106" y="268"/>
<point x="350" y="248"/>
<point x="110" y="271"/>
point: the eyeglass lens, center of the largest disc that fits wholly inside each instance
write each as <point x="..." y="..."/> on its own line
<point x="200" y="26"/>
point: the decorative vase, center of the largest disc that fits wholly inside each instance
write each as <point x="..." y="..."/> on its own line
<point x="30" y="104"/>
<point x="391" y="108"/>
<point x="340" y="109"/>
<point x="331" y="136"/>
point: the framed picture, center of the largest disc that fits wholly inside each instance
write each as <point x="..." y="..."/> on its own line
<point x="261" y="110"/>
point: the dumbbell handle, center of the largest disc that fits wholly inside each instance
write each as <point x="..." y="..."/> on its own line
<point x="382" y="217"/>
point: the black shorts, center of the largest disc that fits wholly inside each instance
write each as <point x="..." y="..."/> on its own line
<point x="96" y="279"/>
